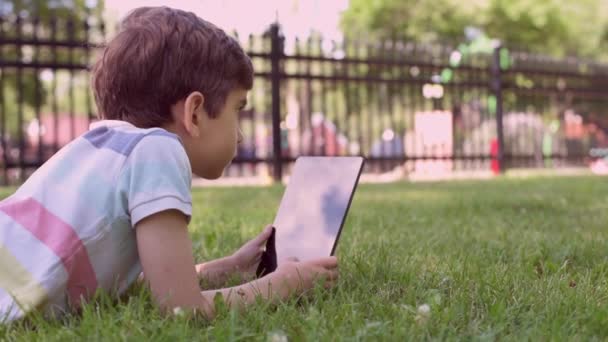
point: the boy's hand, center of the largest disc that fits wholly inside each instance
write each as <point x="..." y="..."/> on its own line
<point x="302" y="276"/>
<point x="248" y="257"/>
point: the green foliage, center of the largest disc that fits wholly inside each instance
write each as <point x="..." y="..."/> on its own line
<point x="422" y="21"/>
<point x="548" y="26"/>
<point x="23" y="89"/>
<point x="46" y="9"/>
<point x="551" y="26"/>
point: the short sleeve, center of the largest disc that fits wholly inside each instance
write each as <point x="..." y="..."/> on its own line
<point x="156" y="177"/>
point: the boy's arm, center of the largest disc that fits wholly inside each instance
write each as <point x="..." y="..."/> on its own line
<point x="215" y="272"/>
<point x="165" y="252"/>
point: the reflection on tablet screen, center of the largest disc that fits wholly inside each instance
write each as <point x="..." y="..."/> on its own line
<point x="314" y="205"/>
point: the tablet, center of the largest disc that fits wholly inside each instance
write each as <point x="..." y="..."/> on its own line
<point x="313" y="209"/>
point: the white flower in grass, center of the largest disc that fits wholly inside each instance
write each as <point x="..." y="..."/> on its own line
<point x="423" y="314"/>
<point x="424" y="310"/>
<point x="178" y="311"/>
<point x="278" y="336"/>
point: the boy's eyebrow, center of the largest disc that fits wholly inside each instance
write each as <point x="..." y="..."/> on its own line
<point x="243" y="104"/>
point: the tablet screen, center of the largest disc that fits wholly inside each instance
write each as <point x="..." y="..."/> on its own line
<point x="314" y="206"/>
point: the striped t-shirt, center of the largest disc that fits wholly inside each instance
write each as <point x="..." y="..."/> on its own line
<point x="68" y="230"/>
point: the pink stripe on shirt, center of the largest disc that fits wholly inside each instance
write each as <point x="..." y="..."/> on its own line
<point x="61" y="238"/>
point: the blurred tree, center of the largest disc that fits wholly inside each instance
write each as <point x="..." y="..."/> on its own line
<point x="549" y="26"/>
<point x="51" y="8"/>
<point x="23" y="88"/>
<point x="421" y="21"/>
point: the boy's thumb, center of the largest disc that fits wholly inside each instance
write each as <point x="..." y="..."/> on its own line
<point x="265" y="234"/>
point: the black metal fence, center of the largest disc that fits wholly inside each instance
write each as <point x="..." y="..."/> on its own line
<point x="45" y="100"/>
<point x="427" y="109"/>
<point x="405" y="107"/>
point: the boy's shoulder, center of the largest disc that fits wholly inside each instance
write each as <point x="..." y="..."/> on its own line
<point x="123" y="138"/>
<point x="124" y="150"/>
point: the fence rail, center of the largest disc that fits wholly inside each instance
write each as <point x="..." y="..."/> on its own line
<point x="420" y="109"/>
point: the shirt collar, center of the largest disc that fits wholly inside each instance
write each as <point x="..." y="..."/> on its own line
<point x="109" y="123"/>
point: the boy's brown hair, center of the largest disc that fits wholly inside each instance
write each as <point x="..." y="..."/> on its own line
<point x="158" y="57"/>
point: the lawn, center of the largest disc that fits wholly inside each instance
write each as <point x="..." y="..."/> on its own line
<point x="507" y="259"/>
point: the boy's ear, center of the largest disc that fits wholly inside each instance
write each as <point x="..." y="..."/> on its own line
<point x="193" y="111"/>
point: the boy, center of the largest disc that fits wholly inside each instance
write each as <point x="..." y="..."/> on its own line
<point x="116" y="201"/>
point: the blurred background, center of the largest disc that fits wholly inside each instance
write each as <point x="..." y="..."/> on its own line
<point x="423" y="89"/>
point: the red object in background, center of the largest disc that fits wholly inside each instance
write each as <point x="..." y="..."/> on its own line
<point x="494" y="163"/>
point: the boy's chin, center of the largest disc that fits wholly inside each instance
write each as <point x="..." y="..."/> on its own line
<point x="211" y="174"/>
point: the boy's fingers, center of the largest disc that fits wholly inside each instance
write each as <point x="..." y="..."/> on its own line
<point x="329" y="283"/>
<point x="328" y="263"/>
<point x="264" y="235"/>
<point x="331" y="275"/>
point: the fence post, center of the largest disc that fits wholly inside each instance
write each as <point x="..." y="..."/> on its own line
<point x="276" y="54"/>
<point x="497" y="90"/>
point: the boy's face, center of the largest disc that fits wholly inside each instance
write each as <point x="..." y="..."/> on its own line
<point x="211" y="143"/>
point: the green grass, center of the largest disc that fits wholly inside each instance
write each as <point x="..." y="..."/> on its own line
<point x="504" y="259"/>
